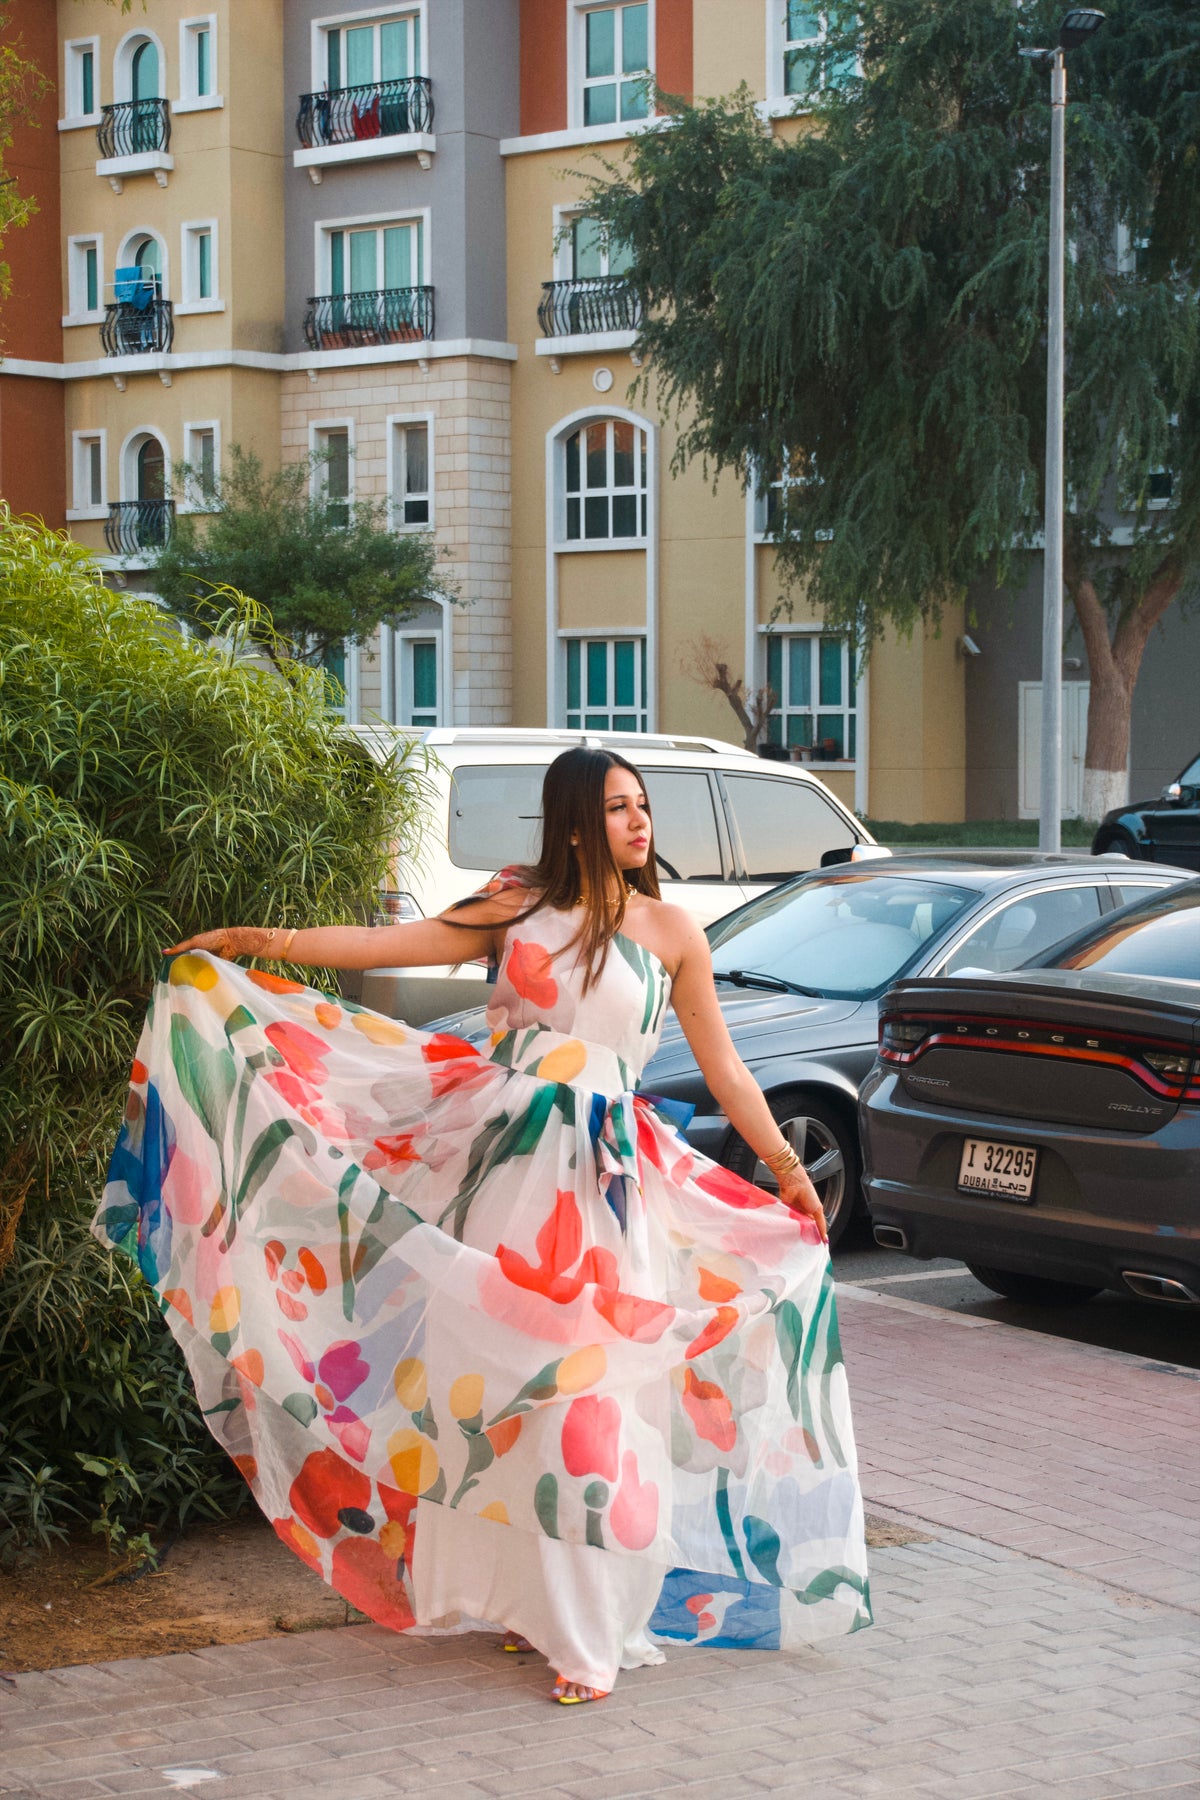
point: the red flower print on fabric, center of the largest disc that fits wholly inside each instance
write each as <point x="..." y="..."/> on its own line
<point x="708" y="1407"/>
<point x="529" y="971"/>
<point x="559" y="1246"/>
<point x="634" y="1512"/>
<point x="370" y="1579"/>
<point x="591" y="1436"/>
<point x="724" y="1185"/>
<point x="325" y="1487"/>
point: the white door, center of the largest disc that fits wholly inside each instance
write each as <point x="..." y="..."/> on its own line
<point x="1074" y="743"/>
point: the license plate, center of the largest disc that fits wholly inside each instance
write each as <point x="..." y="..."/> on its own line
<point x="1006" y="1170"/>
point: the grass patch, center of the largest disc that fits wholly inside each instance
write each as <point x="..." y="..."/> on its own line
<point x="979" y="834"/>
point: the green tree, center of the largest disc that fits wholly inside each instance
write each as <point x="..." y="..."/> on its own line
<point x="865" y="305"/>
<point x="150" y="786"/>
<point x="21" y="87"/>
<point x="324" y="571"/>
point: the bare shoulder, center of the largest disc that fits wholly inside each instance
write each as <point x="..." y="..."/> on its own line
<point x="671" y="932"/>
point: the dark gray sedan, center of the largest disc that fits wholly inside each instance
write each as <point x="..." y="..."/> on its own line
<point x="1046" y="1128"/>
<point x="800" y="972"/>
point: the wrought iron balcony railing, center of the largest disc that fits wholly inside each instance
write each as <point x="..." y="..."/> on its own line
<point x="136" y="525"/>
<point x="385" y="316"/>
<point x="351" y="115"/>
<point x="589" y="303"/>
<point x="134" y="126"/>
<point x="132" y="330"/>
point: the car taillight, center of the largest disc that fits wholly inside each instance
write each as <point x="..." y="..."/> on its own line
<point x="1167" y="1062"/>
<point x="898" y="1038"/>
<point x="393" y="908"/>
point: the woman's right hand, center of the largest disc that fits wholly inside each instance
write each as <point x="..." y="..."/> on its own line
<point x="228" y="941"/>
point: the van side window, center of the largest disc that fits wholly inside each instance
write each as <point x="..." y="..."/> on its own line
<point x="495" y="815"/>
<point x="785" y="825"/>
<point x="685" y="825"/>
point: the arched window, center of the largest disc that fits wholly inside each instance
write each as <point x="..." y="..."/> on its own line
<point x="604" y="482"/>
<point x="144" y="80"/>
<point x="151" y="470"/>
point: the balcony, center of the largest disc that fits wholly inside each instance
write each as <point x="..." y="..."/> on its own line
<point x="133" y="329"/>
<point x="595" y="312"/>
<point x="385" y="316"/>
<point x="134" y="526"/>
<point x="134" y="138"/>
<point x="353" y="124"/>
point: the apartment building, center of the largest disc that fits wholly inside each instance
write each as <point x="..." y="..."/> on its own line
<point x="301" y="225"/>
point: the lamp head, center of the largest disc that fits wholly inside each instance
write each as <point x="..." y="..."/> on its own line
<point x="1080" y="24"/>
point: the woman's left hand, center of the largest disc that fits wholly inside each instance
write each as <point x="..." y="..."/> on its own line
<point x="798" y="1192"/>
<point x="228" y="941"/>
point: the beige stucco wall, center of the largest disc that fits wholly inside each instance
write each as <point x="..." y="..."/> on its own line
<point x="918" y="725"/>
<point x="729" y="45"/>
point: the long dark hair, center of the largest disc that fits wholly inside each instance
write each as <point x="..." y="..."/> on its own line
<point x="568" y="871"/>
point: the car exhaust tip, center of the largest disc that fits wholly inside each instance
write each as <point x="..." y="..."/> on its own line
<point x="1159" y="1287"/>
<point x="890" y="1237"/>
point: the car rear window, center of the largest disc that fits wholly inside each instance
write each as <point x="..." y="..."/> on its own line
<point x="1160" y="939"/>
<point x="785" y="825"/>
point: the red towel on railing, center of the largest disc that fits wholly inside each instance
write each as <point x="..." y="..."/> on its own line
<point x="366" y="119"/>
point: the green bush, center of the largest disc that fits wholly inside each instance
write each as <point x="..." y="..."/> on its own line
<point x="150" y="786"/>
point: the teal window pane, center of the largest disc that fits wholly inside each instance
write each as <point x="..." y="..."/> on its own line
<point x="363" y="262"/>
<point x="572" y="519"/>
<point x="774" y="730"/>
<point x="360" y="55"/>
<point x="573" y="721"/>
<point x="203" y="61"/>
<point x="393" y="50"/>
<point x="635" y="100"/>
<point x="398" y="257"/>
<point x="799" y="672"/>
<point x="832" y="726"/>
<point x="573" y="697"/>
<point x="799" y="728"/>
<point x="801" y="72"/>
<point x="775" y="667"/>
<point x="851" y="678"/>
<point x="335" y="664"/>
<point x="635" y="39"/>
<point x="87" y="82"/>
<point x="337" y="262"/>
<point x="803" y="21"/>
<point x="620" y="256"/>
<point x="333" y="58"/>
<point x="625" y="722"/>
<point x="145" y="73"/>
<point x="643" y="662"/>
<point x="588" y="249"/>
<point x="573" y="463"/>
<point x="204" y="285"/>
<point x="853" y="739"/>
<point x="596" y="722"/>
<point x="597" y="674"/>
<point x="831" y="671"/>
<point x="91" y="267"/>
<point x="149" y="259"/>
<point x="416" y="47"/>
<point x="595" y="517"/>
<point x="424" y="676"/>
<point x="601" y="42"/>
<point x="600" y="104"/>
<point x="624" y="654"/>
<point x="645" y="527"/>
<point x="839" y="70"/>
<point x="624" y="516"/>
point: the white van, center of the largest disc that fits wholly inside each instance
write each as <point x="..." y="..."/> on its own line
<point x="727" y="825"/>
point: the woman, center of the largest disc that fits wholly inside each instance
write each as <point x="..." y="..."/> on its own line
<point x="492" y="1345"/>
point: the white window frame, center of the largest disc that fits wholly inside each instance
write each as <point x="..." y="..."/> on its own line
<point x="319" y="472"/>
<point x="562" y="543"/>
<point x="323" y="230"/>
<point x="814" y="633"/>
<point x="577" y="65"/>
<point x="125" y="255"/>
<point x="368" y="15"/>
<point x="607" y="635"/>
<point x="189" y="267"/>
<point x="123" y="57"/>
<point x="778" y="43"/>
<point x="73" y="116"/>
<point x="127" y="468"/>
<point x="77" y="247"/>
<point x="565" y="219"/>
<point x="398" y="666"/>
<point x="394" y="423"/>
<point x="192" y="499"/>
<point x="785" y="483"/>
<point x="82" y="505"/>
<point x="189" y="100"/>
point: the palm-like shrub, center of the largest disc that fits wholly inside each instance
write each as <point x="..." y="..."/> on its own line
<point x="150" y="787"/>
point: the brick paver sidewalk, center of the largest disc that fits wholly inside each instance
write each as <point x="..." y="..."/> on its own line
<point x="1053" y="1651"/>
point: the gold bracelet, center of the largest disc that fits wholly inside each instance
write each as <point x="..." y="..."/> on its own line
<point x="287" y="943"/>
<point x="783" y="1161"/>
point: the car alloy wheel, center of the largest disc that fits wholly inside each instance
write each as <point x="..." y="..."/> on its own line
<point x="826" y="1147"/>
<point x="1031" y="1290"/>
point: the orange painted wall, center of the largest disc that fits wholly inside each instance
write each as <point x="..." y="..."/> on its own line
<point x="674" y="47"/>
<point x="544" y="66"/>
<point x="32" y="427"/>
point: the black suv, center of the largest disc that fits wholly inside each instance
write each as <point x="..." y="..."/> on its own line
<point x="1163" y="830"/>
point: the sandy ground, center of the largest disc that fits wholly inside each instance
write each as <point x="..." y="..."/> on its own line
<point x="221" y="1584"/>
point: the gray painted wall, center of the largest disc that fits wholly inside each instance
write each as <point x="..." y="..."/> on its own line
<point x="472" y="59"/>
<point x="1166" y="704"/>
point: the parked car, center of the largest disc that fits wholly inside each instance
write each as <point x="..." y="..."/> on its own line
<point x="727" y="826"/>
<point x="1163" y="830"/>
<point x="1046" y="1127"/>
<point x="801" y="970"/>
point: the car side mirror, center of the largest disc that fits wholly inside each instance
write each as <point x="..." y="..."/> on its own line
<point x="1172" y="792"/>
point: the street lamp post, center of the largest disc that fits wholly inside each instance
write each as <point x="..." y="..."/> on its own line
<point x="1077" y="27"/>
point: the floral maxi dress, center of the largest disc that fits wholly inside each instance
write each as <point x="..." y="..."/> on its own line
<point x="490" y="1343"/>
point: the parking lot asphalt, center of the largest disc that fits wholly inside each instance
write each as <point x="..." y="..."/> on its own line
<point x="1037" y="1600"/>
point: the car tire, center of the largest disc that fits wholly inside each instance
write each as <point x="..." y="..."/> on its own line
<point x="1119" y="841"/>
<point x="826" y="1145"/>
<point x="1032" y="1290"/>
